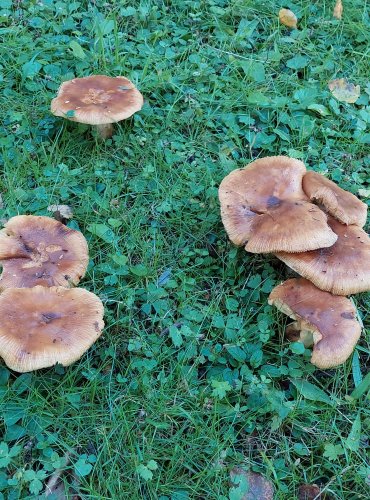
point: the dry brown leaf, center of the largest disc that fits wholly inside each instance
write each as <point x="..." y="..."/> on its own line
<point x="344" y="91"/>
<point x="288" y="18"/>
<point x="338" y="10"/>
<point x="309" y="492"/>
<point x="258" y="486"/>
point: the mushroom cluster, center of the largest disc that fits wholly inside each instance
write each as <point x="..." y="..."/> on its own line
<point x="43" y="320"/>
<point x="275" y="206"/>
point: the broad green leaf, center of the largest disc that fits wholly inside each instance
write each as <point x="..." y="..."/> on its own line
<point x="258" y="99"/>
<point x="319" y="109"/>
<point x="102" y="231"/>
<point x="31" y="69"/>
<point x="77" y="50"/>
<point x="82" y="468"/>
<point x="297" y="347"/>
<point x="176" y="336"/>
<point x="333" y="451"/>
<point x="152" y="465"/>
<point x="311" y="392"/>
<point x="144" y="472"/>
<point x="254" y="70"/>
<point x="35" y="486"/>
<point x="236" y="352"/>
<point x="353" y="440"/>
<point x="298" y="62"/>
<point x="361" y="388"/>
<point x="139" y="270"/>
<point x="356" y="369"/>
<point x="220" y="388"/>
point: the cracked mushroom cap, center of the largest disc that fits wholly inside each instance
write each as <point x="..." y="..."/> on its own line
<point x="97" y="100"/>
<point x="341" y="269"/>
<point x="341" y="204"/>
<point x="326" y="321"/>
<point x="40" y="326"/>
<point x="264" y="208"/>
<point x="36" y="250"/>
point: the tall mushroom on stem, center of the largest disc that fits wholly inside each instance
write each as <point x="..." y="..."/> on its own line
<point x="37" y="250"/>
<point x="41" y="326"/>
<point x="342" y="269"/>
<point x="322" y="320"/>
<point x="341" y="204"/>
<point x="264" y="208"/>
<point x="97" y="100"/>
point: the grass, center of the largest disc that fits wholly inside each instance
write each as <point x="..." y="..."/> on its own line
<point x="193" y="375"/>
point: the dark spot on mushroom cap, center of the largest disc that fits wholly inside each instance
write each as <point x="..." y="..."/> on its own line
<point x="96" y="326"/>
<point x="273" y="202"/>
<point x="49" y="316"/>
<point x="348" y="315"/>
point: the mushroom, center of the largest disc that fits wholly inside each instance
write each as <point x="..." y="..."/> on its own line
<point x="40" y="326"/>
<point x="341" y="204"/>
<point x="341" y="269"/>
<point x="97" y="100"/>
<point x="326" y="321"/>
<point x="264" y="208"/>
<point x="36" y="250"/>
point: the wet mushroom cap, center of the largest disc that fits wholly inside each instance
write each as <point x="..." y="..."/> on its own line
<point x="40" y="326"/>
<point x="97" y="100"/>
<point x="326" y="321"/>
<point x="341" y="204"/>
<point x="36" y="250"/>
<point x="341" y="269"/>
<point x="264" y="208"/>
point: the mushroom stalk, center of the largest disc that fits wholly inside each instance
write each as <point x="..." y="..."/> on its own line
<point x="104" y="131"/>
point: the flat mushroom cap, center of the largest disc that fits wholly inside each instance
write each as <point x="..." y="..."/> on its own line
<point x="264" y="208"/>
<point x="97" y="100"/>
<point x="36" y="250"/>
<point x="40" y="326"/>
<point x="341" y="269"/>
<point x="341" y="204"/>
<point x="327" y="321"/>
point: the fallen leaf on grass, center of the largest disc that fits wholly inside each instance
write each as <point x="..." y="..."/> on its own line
<point x="365" y="193"/>
<point x="249" y="485"/>
<point x="344" y="91"/>
<point x="288" y="18"/>
<point x="61" y="211"/>
<point x="309" y="492"/>
<point x="338" y="10"/>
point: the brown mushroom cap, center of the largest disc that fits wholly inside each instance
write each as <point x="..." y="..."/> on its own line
<point x="326" y="321"/>
<point x="97" y="100"/>
<point x="341" y="204"/>
<point x="36" y="250"/>
<point x="341" y="269"/>
<point x="40" y="326"/>
<point x="264" y="208"/>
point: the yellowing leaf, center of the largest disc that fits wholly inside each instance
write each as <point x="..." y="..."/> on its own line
<point x="288" y="18"/>
<point x="344" y="91"/>
<point x="338" y="10"/>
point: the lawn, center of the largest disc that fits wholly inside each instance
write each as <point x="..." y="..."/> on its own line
<point x="193" y="375"/>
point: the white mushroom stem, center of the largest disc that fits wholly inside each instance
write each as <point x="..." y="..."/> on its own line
<point x="105" y="131"/>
